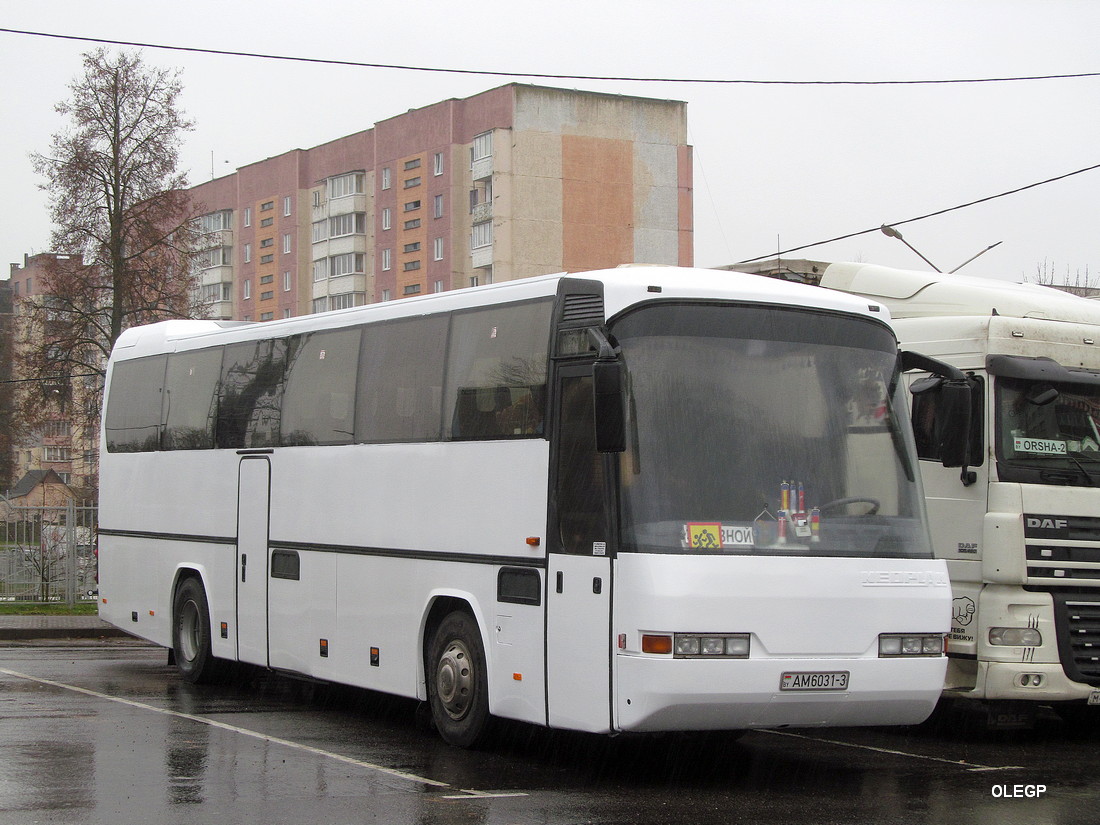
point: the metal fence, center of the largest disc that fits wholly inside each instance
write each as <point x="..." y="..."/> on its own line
<point x="48" y="554"/>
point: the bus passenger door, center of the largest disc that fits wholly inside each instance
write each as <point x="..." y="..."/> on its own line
<point x="578" y="620"/>
<point x="253" y="497"/>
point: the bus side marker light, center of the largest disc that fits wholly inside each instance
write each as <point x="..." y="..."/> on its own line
<point x="656" y="644"/>
<point x="517" y="677"/>
<point x="324" y="648"/>
<point x="225" y="630"/>
<point x="534" y="541"/>
<point x="374" y="657"/>
<point x="152" y="612"/>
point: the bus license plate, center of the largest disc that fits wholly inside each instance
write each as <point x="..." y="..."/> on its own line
<point x="1094" y="697"/>
<point x="815" y="680"/>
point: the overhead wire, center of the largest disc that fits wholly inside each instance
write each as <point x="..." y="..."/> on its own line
<point x="545" y="75"/>
<point x="922" y="217"/>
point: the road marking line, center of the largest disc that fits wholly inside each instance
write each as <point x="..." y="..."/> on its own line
<point x="970" y="766"/>
<point x="410" y="777"/>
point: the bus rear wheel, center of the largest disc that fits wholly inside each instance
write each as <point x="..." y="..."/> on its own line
<point x="191" y="634"/>
<point x="457" y="681"/>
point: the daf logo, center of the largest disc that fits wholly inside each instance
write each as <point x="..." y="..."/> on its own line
<point x="1048" y="523"/>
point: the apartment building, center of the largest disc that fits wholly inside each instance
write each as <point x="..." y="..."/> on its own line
<point x="514" y="182"/>
<point x="58" y="441"/>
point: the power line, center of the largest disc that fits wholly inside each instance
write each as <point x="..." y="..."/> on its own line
<point x="548" y="76"/>
<point x="920" y="217"/>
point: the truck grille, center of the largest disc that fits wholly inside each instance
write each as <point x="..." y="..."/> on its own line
<point x="1062" y="551"/>
<point x="1078" y="624"/>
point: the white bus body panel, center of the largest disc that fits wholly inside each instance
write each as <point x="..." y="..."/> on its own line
<point x="795" y="624"/>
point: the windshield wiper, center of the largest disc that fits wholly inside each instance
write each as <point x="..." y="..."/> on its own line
<point x="1081" y="467"/>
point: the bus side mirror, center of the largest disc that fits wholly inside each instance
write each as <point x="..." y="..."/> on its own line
<point x="608" y="395"/>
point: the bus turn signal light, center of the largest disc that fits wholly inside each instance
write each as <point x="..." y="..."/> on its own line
<point x="656" y="644"/>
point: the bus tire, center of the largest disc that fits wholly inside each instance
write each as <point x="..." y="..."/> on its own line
<point x="457" y="681"/>
<point x="191" y="634"/>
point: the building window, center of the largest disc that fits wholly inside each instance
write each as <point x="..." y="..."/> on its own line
<point x="57" y="429"/>
<point x="286" y="206"/>
<point x="320" y="270"/>
<point x="437" y="163"/>
<point x="411" y="265"/>
<point x="387" y="255"/>
<point x="473" y="281"/>
<point x="247" y="289"/>
<point x="286" y="312"/>
<point x="483" y="146"/>
<point x="387" y="218"/>
<point x="247" y="253"/>
<point x="412" y="206"/>
<point x="286" y="281"/>
<point x="353" y="223"/>
<point x="385" y="294"/>
<point x="411" y="182"/>
<point x="412" y="289"/>
<point x="386" y="177"/>
<point x="267" y="222"/>
<point x="437" y="249"/>
<point x="437" y="206"/>
<point x="344" y="301"/>
<point x="58" y="454"/>
<point x="344" y="185"/>
<point x="215" y="221"/>
<point x="286" y="243"/>
<point x="482" y="235"/>
<point x="266" y="316"/>
<point x="266" y="259"/>
<point x="267" y="296"/>
<point x="437" y="286"/>
<point x="347" y="264"/>
<point x="267" y="279"/>
<point x="266" y="206"/>
<point x="412" y="247"/>
<point x="248" y="216"/>
<point x="320" y="304"/>
<point x="316" y="197"/>
<point x="320" y="231"/>
<point x="412" y="164"/>
<point x="266" y="242"/>
<point x="413" y="224"/>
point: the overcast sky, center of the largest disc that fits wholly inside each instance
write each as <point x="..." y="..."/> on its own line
<point x="776" y="166"/>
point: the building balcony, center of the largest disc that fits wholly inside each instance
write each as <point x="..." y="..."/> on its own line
<point x="482" y="212"/>
<point x="346" y="204"/>
<point x="482" y="256"/>
<point x="481" y="168"/>
<point x="217" y="275"/>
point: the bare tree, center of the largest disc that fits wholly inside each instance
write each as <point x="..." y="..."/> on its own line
<point x="1081" y="284"/>
<point x="121" y="212"/>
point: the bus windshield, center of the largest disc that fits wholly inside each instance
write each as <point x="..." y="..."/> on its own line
<point x="1052" y="429"/>
<point x="766" y="430"/>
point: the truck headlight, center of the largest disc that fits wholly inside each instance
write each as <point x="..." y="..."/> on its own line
<point x="1015" y="636"/>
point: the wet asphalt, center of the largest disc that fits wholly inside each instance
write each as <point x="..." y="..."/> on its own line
<point x="102" y="730"/>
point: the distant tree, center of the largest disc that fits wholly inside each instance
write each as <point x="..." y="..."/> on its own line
<point x="121" y="213"/>
<point x="1079" y="283"/>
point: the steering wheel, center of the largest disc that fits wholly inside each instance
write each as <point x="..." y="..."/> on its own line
<point x="843" y="502"/>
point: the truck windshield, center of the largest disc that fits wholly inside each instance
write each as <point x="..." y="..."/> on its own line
<point x="1048" y="432"/>
<point x="768" y="431"/>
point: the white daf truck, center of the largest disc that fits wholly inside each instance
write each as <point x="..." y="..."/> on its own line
<point x="1019" y="526"/>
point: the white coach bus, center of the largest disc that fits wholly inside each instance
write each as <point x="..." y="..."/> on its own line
<point x="640" y="499"/>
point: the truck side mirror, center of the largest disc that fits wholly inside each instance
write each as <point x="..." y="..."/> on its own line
<point x="953" y="430"/>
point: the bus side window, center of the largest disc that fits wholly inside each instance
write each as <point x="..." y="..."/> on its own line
<point x="318" y="402"/>
<point x="401" y="380"/>
<point x="496" y="371"/>
<point x="249" y="403"/>
<point x="189" y="394"/>
<point x="133" y="419"/>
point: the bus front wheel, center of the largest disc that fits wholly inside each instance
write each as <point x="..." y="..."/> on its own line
<point x="191" y="633"/>
<point x="457" y="682"/>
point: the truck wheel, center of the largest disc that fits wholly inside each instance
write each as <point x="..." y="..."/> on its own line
<point x="191" y="634"/>
<point x="457" y="683"/>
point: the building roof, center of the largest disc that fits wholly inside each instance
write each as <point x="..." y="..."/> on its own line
<point x="32" y="479"/>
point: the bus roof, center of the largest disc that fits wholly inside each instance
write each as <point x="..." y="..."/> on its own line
<point x="624" y="287"/>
